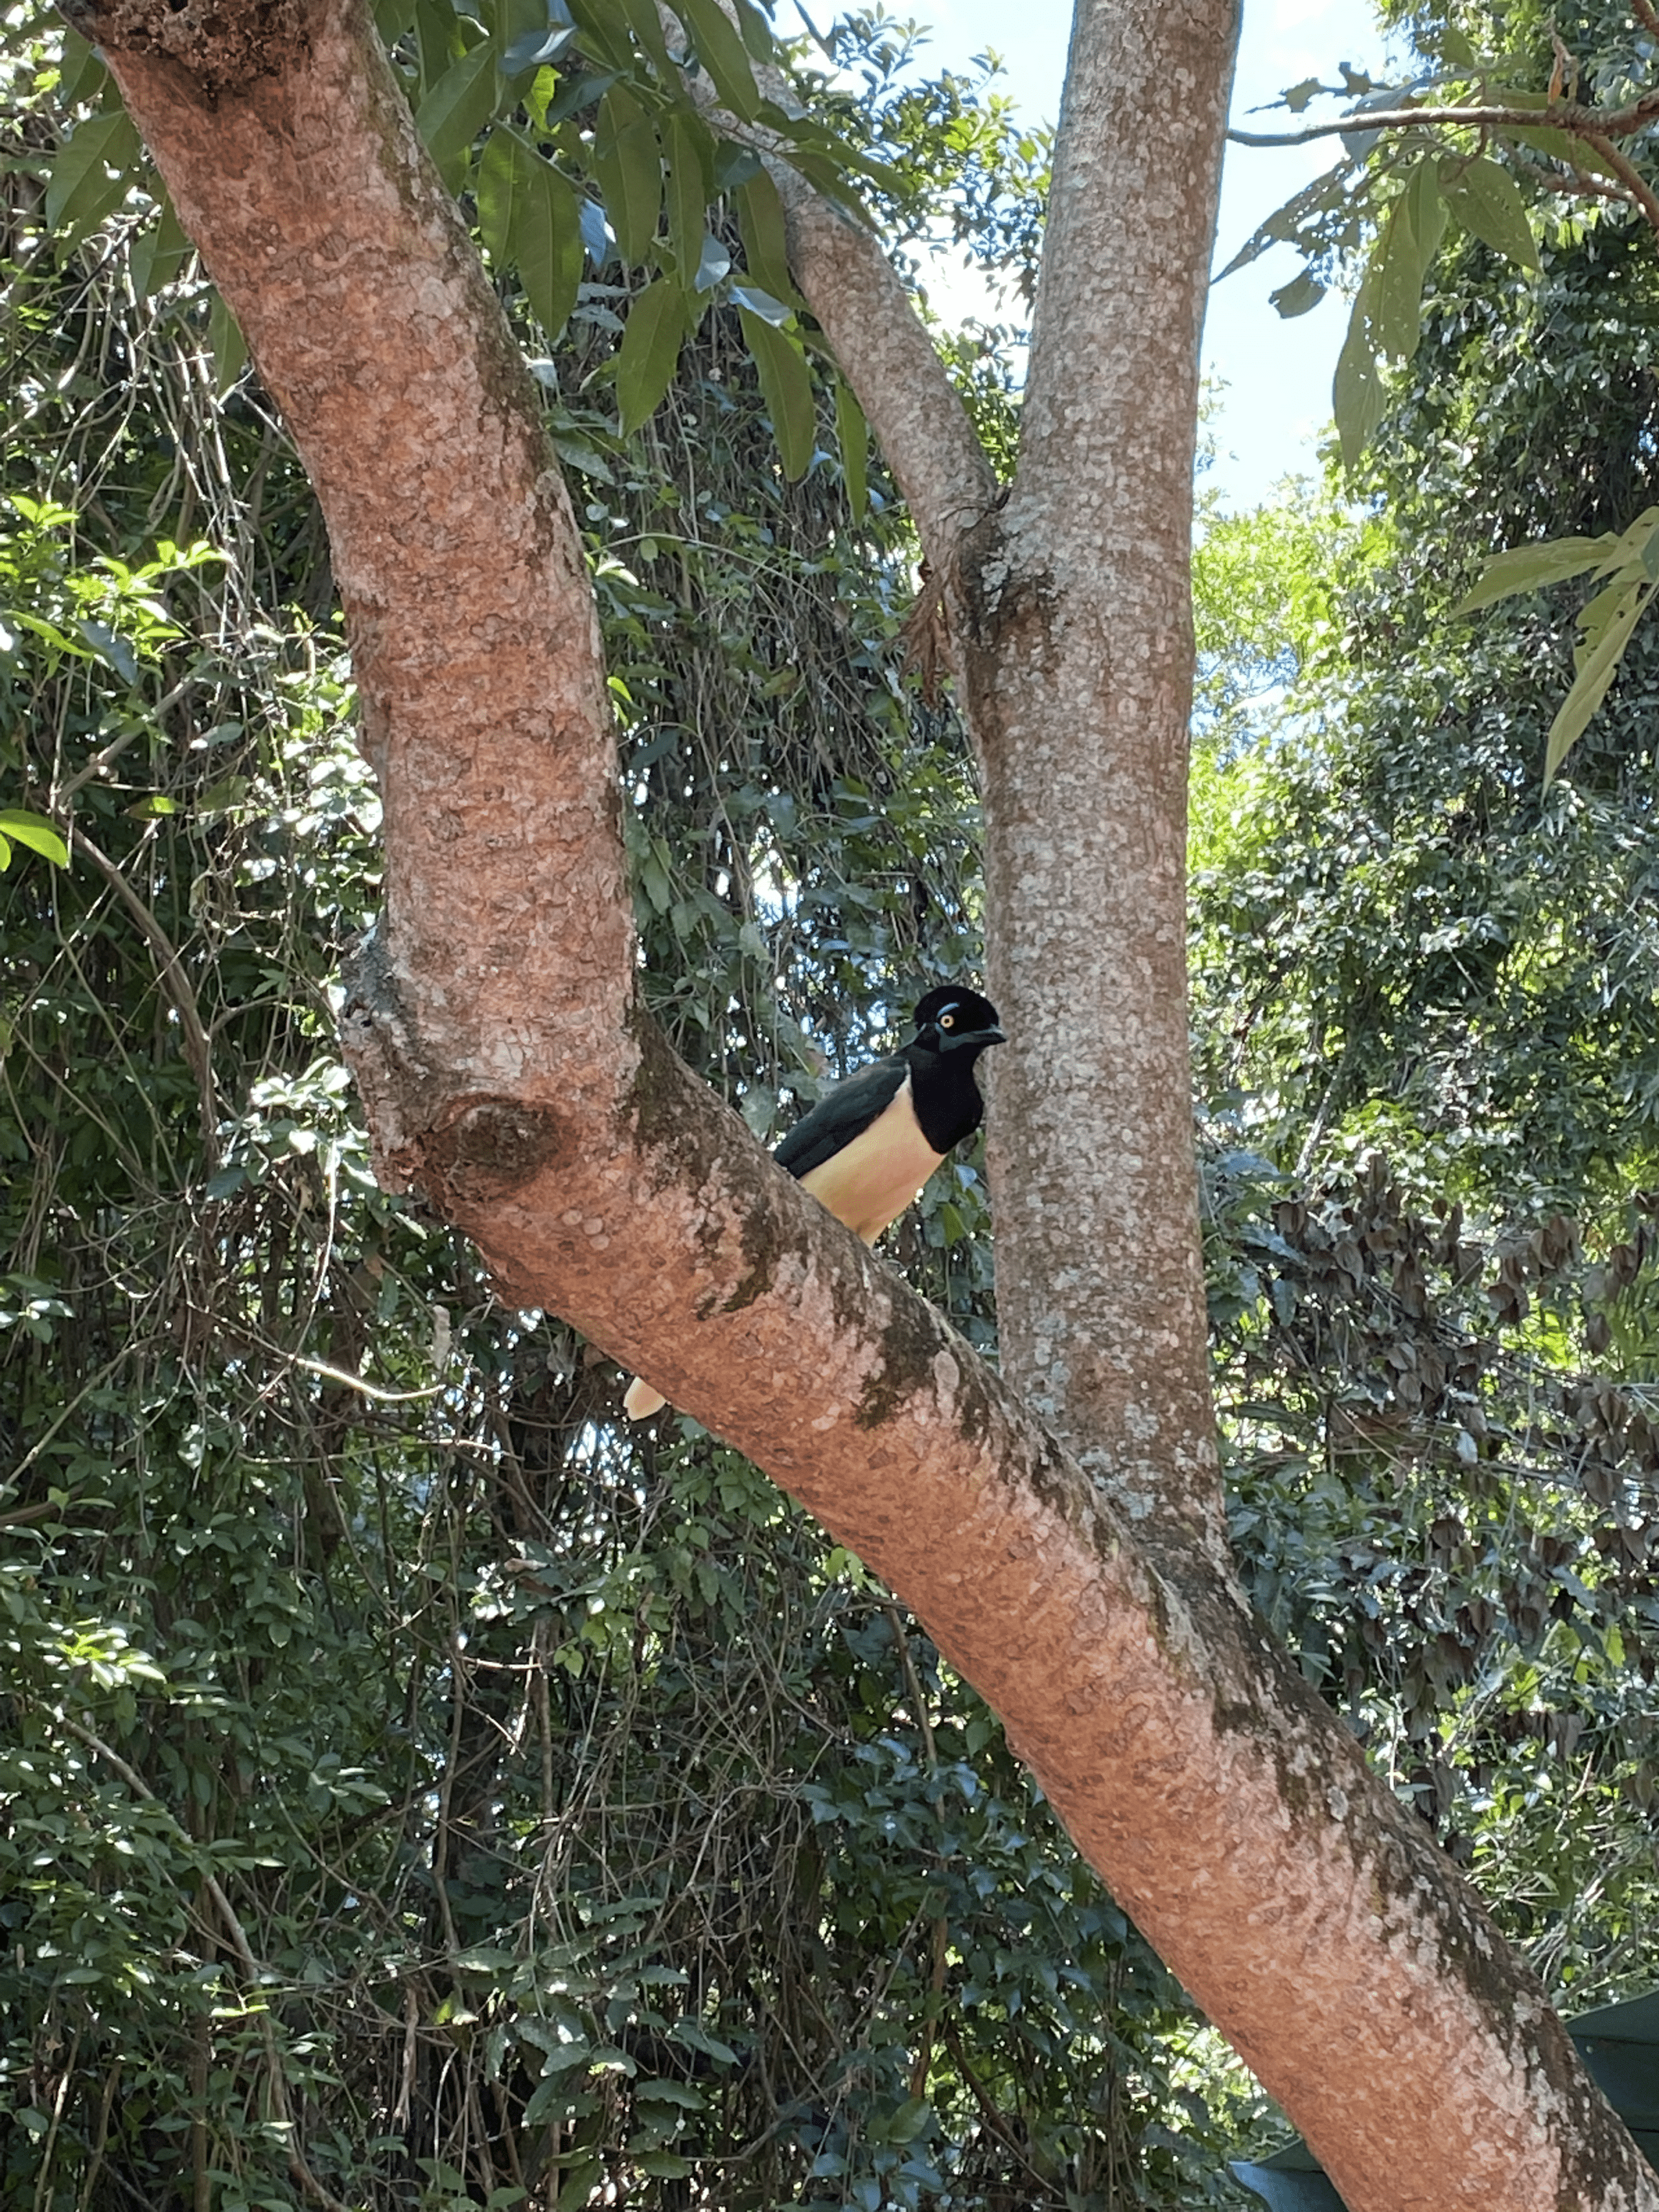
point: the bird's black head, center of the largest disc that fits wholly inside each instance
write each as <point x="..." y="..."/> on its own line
<point x="951" y="1019"/>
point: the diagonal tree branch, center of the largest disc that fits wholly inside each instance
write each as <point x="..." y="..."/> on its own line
<point x="880" y="343"/>
<point x="886" y="355"/>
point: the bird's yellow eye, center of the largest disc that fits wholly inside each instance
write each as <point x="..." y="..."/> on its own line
<point x="947" y="1021"/>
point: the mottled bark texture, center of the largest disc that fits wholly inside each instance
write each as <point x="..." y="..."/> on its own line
<point x="507" y="1077"/>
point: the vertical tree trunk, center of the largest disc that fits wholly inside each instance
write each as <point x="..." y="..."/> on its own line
<point x="1077" y="669"/>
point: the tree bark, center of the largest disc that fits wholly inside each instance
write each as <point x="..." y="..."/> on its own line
<point x="507" y="1075"/>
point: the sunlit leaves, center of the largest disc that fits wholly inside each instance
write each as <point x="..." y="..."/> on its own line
<point x="565" y="127"/>
<point x="1631" y="561"/>
<point x="1486" y="199"/>
<point x="529" y="218"/>
<point x="19" y="827"/>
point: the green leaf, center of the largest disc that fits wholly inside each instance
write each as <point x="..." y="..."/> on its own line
<point x="1486" y="200"/>
<point x="852" y="435"/>
<point x="628" y="167"/>
<point x="603" y="34"/>
<point x="1635" y="543"/>
<point x="81" y="190"/>
<point x="37" y="833"/>
<point x="756" y="30"/>
<point x="1296" y="297"/>
<point x="161" y="253"/>
<point x="1324" y="194"/>
<point x="765" y="237"/>
<point x="500" y="181"/>
<point x="1530" y="568"/>
<point x="82" y="73"/>
<point x="1356" y="395"/>
<point x="229" y="346"/>
<point x="787" y="386"/>
<point x="574" y="2191"/>
<point x="650" y="349"/>
<point x="760" y="303"/>
<point x="1428" y="215"/>
<point x="437" y="40"/>
<point x="546" y="238"/>
<point x="646" y="24"/>
<point x="690" y="154"/>
<point x="1397" y="318"/>
<point x="1560" y="145"/>
<point x="909" y="2121"/>
<point x="1596" y="669"/>
<point x="456" y="109"/>
<point x="721" y="49"/>
<point x="523" y="36"/>
<point x="714" y="262"/>
<point x="697" y="2037"/>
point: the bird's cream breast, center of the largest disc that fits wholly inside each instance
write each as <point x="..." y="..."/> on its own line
<point x="870" y="1182"/>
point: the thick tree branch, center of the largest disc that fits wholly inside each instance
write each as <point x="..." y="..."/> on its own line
<point x="1309" y="1915"/>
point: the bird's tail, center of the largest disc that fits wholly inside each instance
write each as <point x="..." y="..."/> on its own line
<point x="641" y="1401"/>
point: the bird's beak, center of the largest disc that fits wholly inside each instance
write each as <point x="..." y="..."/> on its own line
<point x="971" y="1036"/>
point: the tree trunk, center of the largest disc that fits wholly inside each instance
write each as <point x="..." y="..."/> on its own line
<point x="1077" y="1579"/>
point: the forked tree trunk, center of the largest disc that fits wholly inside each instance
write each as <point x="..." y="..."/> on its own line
<point x="1075" y="1574"/>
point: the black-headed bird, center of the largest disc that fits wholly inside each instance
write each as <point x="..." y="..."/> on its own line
<point x="870" y="1143"/>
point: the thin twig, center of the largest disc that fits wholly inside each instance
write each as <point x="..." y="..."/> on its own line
<point x="1568" y="115"/>
<point x="113" y="751"/>
<point x="197" y="1050"/>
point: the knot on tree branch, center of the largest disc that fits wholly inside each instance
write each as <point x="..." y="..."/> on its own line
<point x="463" y="1150"/>
<point x="406" y="1095"/>
<point x="224" y="44"/>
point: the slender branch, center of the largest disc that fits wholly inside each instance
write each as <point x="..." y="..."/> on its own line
<point x="171" y="971"/>
<point x="1629" y="175"/>
<point x="1580" y="185"/>
<point x="1567" y="115"/>
<point x="1646" y="15"/>
<point x="112" y="752"/>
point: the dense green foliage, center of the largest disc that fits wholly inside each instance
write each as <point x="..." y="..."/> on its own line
<point x="1428" y="993"/>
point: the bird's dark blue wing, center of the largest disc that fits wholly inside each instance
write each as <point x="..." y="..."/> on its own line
<point x="839" y="1115"/>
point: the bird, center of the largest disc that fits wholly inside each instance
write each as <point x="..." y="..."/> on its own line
<point x="870" y="1143"/>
